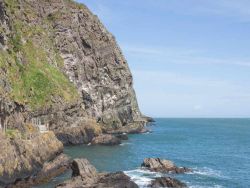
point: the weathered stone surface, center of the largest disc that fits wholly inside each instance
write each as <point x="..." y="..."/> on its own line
<point x="82" y="134"/>
<point x="60" y="65"/>
<point x="67" y="37"/>
<point x="167" y="182"/>
<point x="162" y="165"/>
<point x="82" y="167"/>
<point x="85" y="175"/>
<point x="115" y="180"/>
<point x="50" y="170"/>
<point x="135" y="128"/>
<point x="106" y="139"/>
<point x="21" y="159"/>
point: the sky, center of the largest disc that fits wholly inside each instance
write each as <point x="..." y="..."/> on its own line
<point x="189" y="58"/>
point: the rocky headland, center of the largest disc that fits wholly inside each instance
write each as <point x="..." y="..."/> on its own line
<point x="60" y="66"/>
<point x="63" y="81"/>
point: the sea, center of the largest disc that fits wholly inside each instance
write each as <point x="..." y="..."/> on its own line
<point x="218" y="151"/>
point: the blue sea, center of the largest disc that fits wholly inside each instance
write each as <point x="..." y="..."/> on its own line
<point x="218" y="150"/>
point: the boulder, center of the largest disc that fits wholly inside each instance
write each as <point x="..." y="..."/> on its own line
<point x="167" y="182"/>
<point x="106" y="139"/>
<point x="115" y="180"/>
<point x="162" y="165"/>
<point x="82" y="167"/>
<point x="109" y="180"/>
<point x="85" y="175"/>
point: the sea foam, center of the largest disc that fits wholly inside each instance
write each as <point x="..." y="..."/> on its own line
<point x="142" y="177"/>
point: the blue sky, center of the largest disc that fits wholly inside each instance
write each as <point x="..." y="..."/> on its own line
<point x="189" y="58"/>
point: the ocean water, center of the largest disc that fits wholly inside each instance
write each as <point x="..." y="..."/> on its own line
<point x="218" y="150"/>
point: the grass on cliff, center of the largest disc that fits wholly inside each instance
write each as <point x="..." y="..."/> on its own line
<point x="13" y="133"/>
<point x="33" y="64"/>
<point x="35" y="82"/>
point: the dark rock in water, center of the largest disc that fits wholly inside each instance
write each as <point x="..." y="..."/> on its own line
<point x="106" y="139"/>
<point x="82" y="167"/>
<point x="167" y="182"/>
<point x="85" y="175"/>
<point x="162" y="165"/>
<point x="115" y="180"/>
<point x="50" y="170"/>
<point x="122" y="136"/>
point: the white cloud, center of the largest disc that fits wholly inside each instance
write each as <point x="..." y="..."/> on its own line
<point x="181" y="55"/>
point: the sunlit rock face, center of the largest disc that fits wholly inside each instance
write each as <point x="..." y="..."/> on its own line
<point x="83" y="73"/>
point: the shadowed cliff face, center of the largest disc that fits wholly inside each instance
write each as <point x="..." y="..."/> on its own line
<point x="63" y="65"/>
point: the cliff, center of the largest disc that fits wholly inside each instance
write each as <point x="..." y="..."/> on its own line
<point x="60" y="65"/>
<point x="59" y="69"/>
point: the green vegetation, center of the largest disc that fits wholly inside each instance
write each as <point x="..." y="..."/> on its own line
<point x="33" y="64"/>
<point x="37" y="81"/>
<point x="16" y="42"/>
<point x="13" y="133"/>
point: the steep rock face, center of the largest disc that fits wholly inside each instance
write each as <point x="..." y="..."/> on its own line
<point x="63" y="66"/>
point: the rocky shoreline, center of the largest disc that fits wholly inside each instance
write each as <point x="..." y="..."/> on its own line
<point x="40" y="158"/>
<point x="97" y="135"/>
<point x="50" y="162"/>
<point x="85" y="175"/>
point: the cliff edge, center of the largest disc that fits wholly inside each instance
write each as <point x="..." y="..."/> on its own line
<point x="59" y="65"/>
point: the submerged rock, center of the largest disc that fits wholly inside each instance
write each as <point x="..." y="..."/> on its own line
<point x="106" y="139"/>
<point x="167" y="182"/>
<point x="162" y="165"/>
<point x="85" y="175"/>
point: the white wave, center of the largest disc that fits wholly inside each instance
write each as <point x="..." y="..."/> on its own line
<point x="205" y="171"/>
<point x="123" y="144"/>
<point x="142" y="177"/>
